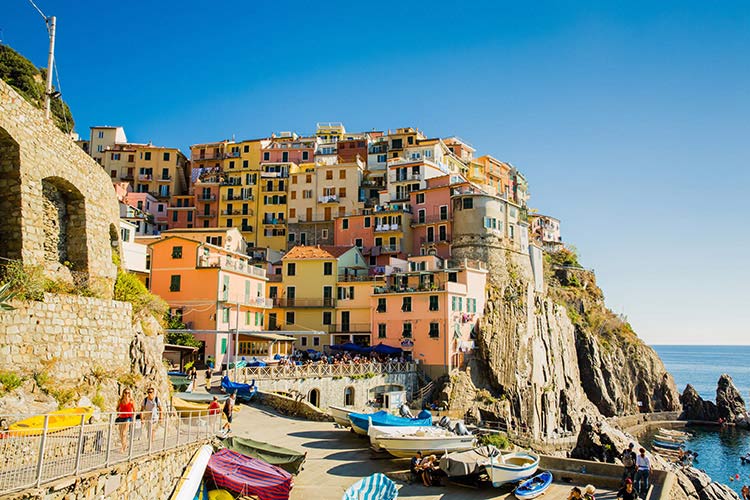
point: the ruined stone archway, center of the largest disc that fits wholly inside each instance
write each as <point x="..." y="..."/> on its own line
<point x="10" y="197"/>
<point x="64" y="224"/>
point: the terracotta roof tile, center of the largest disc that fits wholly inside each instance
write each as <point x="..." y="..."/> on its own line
<point x="308" y="252"/>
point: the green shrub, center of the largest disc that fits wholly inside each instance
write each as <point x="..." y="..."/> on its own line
<point x="98" y="400"/>
<point x="497" y="440"/>
<point x="128" y="288"/>
<point x="10" y="381"/>
<point x="27" y="282"/>
<point x="42" y="380"/>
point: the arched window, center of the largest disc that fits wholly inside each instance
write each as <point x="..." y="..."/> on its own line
<point x="349" y="396"/>
<point x="314" y="397"/>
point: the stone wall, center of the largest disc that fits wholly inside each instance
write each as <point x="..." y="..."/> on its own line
<point x="293" y="407"/>
<point x="146" y="478"/>
<point x="58" y="204"/>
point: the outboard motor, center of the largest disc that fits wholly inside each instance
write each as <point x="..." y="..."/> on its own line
<point x="405" y="411"/>
<point x="461" y="429"/>
<point x="444" y="422"/>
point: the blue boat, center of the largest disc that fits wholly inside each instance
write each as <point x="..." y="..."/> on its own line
<point x="670" y="446"/>
<point x="361" y="421"/>
<point x="533" y="487"/>
<point x="375" y="487"/>
<point x="245" y="392"/>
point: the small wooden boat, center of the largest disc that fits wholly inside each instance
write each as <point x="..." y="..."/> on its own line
<point x="674" y="433"/>
<point x="667" y="444"/>
<point x="190" y="481"/>
<point x="512" y="467"/>
<point x="404" y="442"/>
<point x="533" y="487"/>
<point x="375" y="487"/>
<point x="289" y="460"/>
<point x="669" y="439"/>
<point x="361" y="421"/>
<point x="199" y="397"/>
<point x="340" y="415"/>
<point x="58" y="420"/>
<point x="248" y="476"/>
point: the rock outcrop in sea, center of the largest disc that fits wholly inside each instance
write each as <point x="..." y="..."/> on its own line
<point x="729" y="404"/>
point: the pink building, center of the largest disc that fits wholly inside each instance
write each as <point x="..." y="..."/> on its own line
<point x="432" y="217"/>
<point x="381" y="233"/>
<point x="181" y="212"/>
<point x="431" y="310"/>
<point x="288" y="148"/>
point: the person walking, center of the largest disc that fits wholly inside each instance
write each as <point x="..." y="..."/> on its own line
<point x="151" y="411"/>
<point x="228" y="410"/>
<point x="213" y="410"/>
<point x="125" y="415"/>
<point x="628" y="462"/>
<point x="208" y="379"/>
<point x="643" y="470"/>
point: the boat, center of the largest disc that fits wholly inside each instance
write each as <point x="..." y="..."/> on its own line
<point x="674" y="433"/>
<point x="190" y="481"/>
<point x="181" y="383"/>
<point x="375" y="487"/>
<point x="188" y="408"/>
<point x="745" y="459"/>
<point x="468" y="463"/>
<point x="340" y="415"/>
<point x="289" y="460"/>
<point x="248" y="476"/>
<point x="199" y="397"/>
<point x="670" y="439"/>
<point x="58" y="420"/>
<point x="511" y="467"/>
<point x="245" y="392"/>
<point x="404" y="442"/>
<point x="533" y="487"/>
<point x="666" y="444"/>
<point x="361" y="421"/>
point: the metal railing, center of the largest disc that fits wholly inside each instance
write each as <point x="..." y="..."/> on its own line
<point x="349" y="328"/>
<point x="35" y="456"/>
<point x="294" y="302"/>
<point x="275" y="372"/>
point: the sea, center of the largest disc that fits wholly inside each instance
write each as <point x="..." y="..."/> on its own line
<point x="718" y="450"/>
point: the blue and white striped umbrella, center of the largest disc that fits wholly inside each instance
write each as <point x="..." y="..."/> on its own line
<point x="375" y="487"/>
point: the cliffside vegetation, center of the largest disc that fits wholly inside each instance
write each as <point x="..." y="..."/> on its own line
<point x="29" y="81"/>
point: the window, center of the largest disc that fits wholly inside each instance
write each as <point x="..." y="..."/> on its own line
<point x="176" y="251"/>
<point x="457" y="303"/>
<point x="342" y="192"/>
<point x="266" y="156"/>
<point x="174" y="283"/>
<point x="342" y="174"/>
<point x="316" y="340"/>
<point x="231" y="164"/>
<point x="381" y="305"/>
<point x="308" y="179"/>
<point x="468" y="203"/>
<point x="99" y="148"/>
<point x="290" y="318"/>
<point x="225" y="314"/>
<point x="406" y="304"/>
<point x="147" y="155"/>
<point x="358" y="242"/>
<point x="291" y="269"/>
<point x="131" y="158"/>
<point x="247" y="291"/>
<point x="381" y="158"/>
<point x="381" y="330"/>
<point x="246" y="149"/>
<point x="327" y="268"/>
<point x="326" y="317"/>
<point x="294" y="194"/>
<point x="244" y="164"/>
<point x="303" y="341"/>
<point x="420" y="198"/>
<point x="349" y="396"/>
<point x="305" y="155"/>
<point x="434" y="330"/>
<point x="471" y="305"/>
<point x="406" y="332"/>
<point x="324" y="234"/>
<point x="345" y="224"/>
<point x="294" y="179"/>
<point x="444" y="212"/>
<point x="453" y="277"/>
<point x="101" y="134"/>
<point x="166" y="156"/>
<point x="397" y="143"/>
<point x="115" y="156"/>
<point x="511" y="231"/>
<point x="434" y="303"/>
<point x="329" y="174"/>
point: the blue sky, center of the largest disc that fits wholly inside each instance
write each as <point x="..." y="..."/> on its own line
<point x="631" y="120"/>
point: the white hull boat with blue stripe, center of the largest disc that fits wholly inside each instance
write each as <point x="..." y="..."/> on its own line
<point x="512" y="467"/>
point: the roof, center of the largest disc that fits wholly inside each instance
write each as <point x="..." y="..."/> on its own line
<point x="175" y="347"/>
<point x="336" y="251"/>
<point x="308" y="252"/>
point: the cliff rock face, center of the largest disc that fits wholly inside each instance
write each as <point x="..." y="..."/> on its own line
<point x="558" y="356"/>
<point x="729" y="403"/>
<point x="695" y="408"/>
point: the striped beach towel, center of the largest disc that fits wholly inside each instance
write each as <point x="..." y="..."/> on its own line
<point x="248" y="476"/>
<point x="375" y="487"/>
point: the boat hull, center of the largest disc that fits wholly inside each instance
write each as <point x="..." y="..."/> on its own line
<point x="405" y="447"/>
<point x="197" y="397"/>
<point x="190" y="482"/>
<point x="512" y="467"/>
<point x="289" y="460"/>
<point x="664" y="444"/>
<point x="340" y="415"/>
<point x="58" y="420"/>
<point x="375" y="487"/>
<point x="361" y="421"/>
<point x="533" y="487"/>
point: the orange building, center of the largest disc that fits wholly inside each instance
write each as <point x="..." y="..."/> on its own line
<point x="210" y="288"/>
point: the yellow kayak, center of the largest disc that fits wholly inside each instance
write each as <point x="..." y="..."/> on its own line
<point x="188" y="408"/>
<point x="220" y="495"/>
<point x="58" y="420"/>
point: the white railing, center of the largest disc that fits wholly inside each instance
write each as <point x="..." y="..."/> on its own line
<point x="32" y="457"/>
<point x="275" y="372"/>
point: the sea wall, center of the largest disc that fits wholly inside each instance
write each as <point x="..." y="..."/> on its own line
<point x="293" y="407"/>
<point x="147" y="478"/>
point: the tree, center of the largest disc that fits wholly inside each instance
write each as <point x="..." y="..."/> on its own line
<point x="179" y="338"/>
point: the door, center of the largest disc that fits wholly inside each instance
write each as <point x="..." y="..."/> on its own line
<point x="291" y="294"/>
<point x="327" y="213"/>
<point x="272" y="321"/>
<point x="328" y="296"/>
<point x="344" y="321"/>
<point x="303" y="238"/>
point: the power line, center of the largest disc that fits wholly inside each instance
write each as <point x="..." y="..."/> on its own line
<point x="38" y="10"/>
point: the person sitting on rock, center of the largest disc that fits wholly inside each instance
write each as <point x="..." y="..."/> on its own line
<point x="745" y="491"/>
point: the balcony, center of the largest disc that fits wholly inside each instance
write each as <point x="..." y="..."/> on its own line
<point x="435" y="241"/>
<point x="127" y="177"/>
<point x="204" y="215"/>
<point x="273" y="221"/>
<point x="331" y="198"/>
<point x="349" y="328"/>
<point x="230" y="263"/>
<point x="434" y="287"/>
<point x="274" y="175"/>
<point x="232" y="154"/>
<point x="381" y="228"/>
<point x="167" y="178"/>
<point x="236" y="212"/>
<point x="429" y="219"/>
<point x="206" y="197"/>
<point x="232" y="181"/>
<point x="408" y="178"/>
<point x="286" y="302"/>
<point x="261" y="302"/>
<point x="390" y="249"/>
<point x="206" y="156"/>
<point x="272" y="189"/>
<point x="238" y="197"/>
<point x="364" y="277"/>
<point x="145" y="177"/>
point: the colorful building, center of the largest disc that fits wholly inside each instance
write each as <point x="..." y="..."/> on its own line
<point x="381" y="232"/>
<point x="432" y="218"/>
<point x="545" y="231"/>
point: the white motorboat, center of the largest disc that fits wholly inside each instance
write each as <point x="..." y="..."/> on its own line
<point x="340" y="415"/>
<point x="512" y="467"/>
<point x="670" y="439"/>
<point x="674" y="433"/>
<point x="190" y="482"/>
<point x="404" y="442"/>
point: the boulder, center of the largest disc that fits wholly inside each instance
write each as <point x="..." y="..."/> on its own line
<point x="697" y="484"/>
<point x="599" y="441"/>
<point x="729" y="402"/>
<point x="695" y="408"/>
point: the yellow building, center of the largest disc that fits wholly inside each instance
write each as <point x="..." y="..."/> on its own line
<point x="103" y="138"/>
<point x="352" y="315"/>
<point x="160" y="171"/>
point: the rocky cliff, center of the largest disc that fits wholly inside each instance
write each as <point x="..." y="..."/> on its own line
<point x="545" y="360"/>
<point x="729" y="404"/>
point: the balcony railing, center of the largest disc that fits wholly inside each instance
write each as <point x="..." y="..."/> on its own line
<point x="365" y="277"/>
<point x="206" y="197"/>
<point x="236" y="212"/>
<point x="272" y="189"/>
<point x="274" y="221"/>
<point x="238" y="197"/>
<point x="37" y="456"/>
<point x="232" y="181"/>
<point x="408" y="177"/>
<point x="206" y="156"/>
<point x="331" y="198"/>
<point x="163" y="178"/>
<point x="429" y="219"/>
<point x="390" y="248"/>
<point x="349" y="328"/>
<point x="204" y="215"/>
<point x="387" y="227"/>
<point x="230" y="263"/>
<point x="276" y="372"/>
<point x="144" y="177"/>
<point x="434" y="241"/>
<point x="435" y="287"/>
<point x="127" y="177"/>
<point x="286" y="302"/>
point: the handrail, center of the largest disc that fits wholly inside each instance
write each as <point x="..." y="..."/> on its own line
<point x="35" y="456"/>
<point x="276" y="372"/>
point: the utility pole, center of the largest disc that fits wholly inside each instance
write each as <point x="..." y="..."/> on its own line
<point x="236" y="338"/>
<point x="51" y="25"/>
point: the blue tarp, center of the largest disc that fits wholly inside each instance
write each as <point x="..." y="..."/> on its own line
<point x="244" y="391"/>
<point x="383" y="418"/>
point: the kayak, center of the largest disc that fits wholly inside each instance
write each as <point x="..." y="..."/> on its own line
<point x="533" y="487"/>
<point x="58" y="420"/>
<point x="190" y="481"/>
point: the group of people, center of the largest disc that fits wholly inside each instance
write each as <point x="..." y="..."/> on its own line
<point x="426" y="469"/>
<point x="151" y="413"/>
<point x="587" y="494"/>
<point x="635" y="476"/>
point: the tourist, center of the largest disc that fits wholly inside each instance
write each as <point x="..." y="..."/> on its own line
<point x="575" y="493"/>
<point x="151" y="411"/>
<point x="213" y="410"/>
<point x="745" y="492"/>
<point x="125" y="414"/>
<point x="208" y="380"/>
<point x="643" y="469"/>
<point x="415" y="466"/>
<point x="228" y="410"/>
<point x="588" y="492"/>
<point x="428" y="467"/>
<point x="627" y="492"/>
<point x="628" y="462"/>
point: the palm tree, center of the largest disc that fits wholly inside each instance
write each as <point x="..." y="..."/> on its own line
<point x="6" y="295"/>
